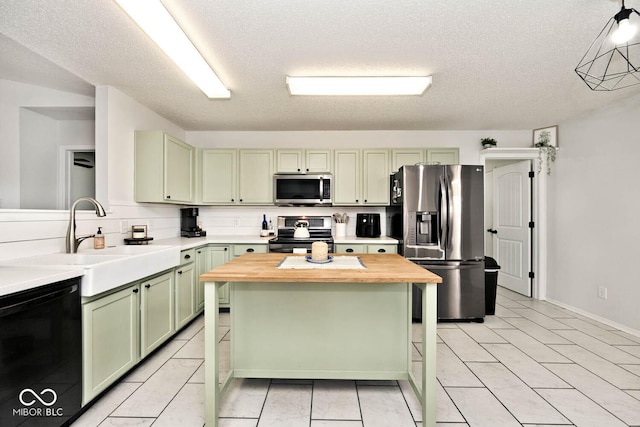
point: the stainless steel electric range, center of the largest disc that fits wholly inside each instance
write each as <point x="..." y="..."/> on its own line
<point x="319" y="231"/>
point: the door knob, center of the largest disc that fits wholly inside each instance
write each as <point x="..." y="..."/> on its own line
<point x="492" y="231"/>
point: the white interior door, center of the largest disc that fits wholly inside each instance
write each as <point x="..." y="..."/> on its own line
<point x="511" y="216"/>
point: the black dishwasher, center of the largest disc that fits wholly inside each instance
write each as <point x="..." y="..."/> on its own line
<point x="41" y="355"/>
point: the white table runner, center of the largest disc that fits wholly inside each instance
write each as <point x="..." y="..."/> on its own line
<point x="338" y="263"/>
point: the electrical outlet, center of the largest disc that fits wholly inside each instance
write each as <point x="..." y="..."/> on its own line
<point x="150" y="225"/>
<point x="124" y="227"/>
<point x="602" y="292"/>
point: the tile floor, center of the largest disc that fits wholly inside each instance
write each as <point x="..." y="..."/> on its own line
<point x="532" y="364"/>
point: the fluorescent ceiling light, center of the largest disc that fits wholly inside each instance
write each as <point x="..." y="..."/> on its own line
<point x="358" y="85"/>
<point x="156" y="21"/>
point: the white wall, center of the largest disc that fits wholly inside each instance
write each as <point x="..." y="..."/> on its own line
<point x="594" y="202"/>
<point x="14" y="96"/>
<point x="38" y="161"/>
<point x="40" y="140"/>
<point x="27" y="232"/>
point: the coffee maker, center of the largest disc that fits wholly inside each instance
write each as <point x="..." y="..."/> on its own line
<point x="189" y="223"/>
<point x="368" y="225"/>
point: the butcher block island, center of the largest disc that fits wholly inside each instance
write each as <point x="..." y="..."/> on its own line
<point x="345" y="319"/>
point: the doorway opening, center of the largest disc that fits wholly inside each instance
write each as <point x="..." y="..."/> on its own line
<point x="77" y="176"/>
<point x="537" y="258"/>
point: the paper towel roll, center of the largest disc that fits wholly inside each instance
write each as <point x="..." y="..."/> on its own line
<point x="319" y="251"/>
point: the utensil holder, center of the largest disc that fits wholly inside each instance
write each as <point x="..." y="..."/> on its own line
<point x="341" y="229"/>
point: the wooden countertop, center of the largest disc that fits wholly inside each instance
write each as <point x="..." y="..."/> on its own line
<point x="381" y="268"/>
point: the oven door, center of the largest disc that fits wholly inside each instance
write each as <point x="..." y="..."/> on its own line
<point x="303" y="247"/>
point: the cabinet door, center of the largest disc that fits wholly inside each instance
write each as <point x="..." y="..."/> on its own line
<point x="178" y="170"/>
<point x="406" y="156"/>
<point x="375" y="177"/>
<point x="443" y="156"/>
<point x="289" y="161"/>
<point x="347" y="177"/>
<point x="317" y="161"/>
<point x="217" y="255"/>
<point x="156" y="312"/>
<point x="185" y="294"/>
<point x="201" y="268"/>
<point x="256" y="177"/>
<point x="110" y="333"/>
<point x="219" y="176"/>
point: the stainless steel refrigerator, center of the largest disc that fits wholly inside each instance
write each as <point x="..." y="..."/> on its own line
<point x="437" y="214"/>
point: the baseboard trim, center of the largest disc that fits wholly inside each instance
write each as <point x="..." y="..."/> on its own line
<point x="584" y="313"/>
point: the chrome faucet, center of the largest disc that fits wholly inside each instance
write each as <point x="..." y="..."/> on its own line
<point x="72" y="241"/>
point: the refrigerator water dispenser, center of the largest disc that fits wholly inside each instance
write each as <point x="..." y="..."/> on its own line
<point x="426" y="228"/>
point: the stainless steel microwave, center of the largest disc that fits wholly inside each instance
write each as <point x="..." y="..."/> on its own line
<point x="302" y="190"/>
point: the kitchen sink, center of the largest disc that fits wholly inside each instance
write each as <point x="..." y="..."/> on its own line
<point x="108" y="268"/>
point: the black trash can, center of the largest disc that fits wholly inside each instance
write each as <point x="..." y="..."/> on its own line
<point x="491" y="268"/>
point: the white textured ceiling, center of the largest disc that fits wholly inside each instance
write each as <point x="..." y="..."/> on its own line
<point x="496" y="64"/>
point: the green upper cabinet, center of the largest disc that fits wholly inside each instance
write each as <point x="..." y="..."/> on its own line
<point x="318" y="161"/>
<point x="255" y="177"/>
<point x="361" y="177"/>
<point x="406" y="156"/>
<point x="347" y="177"/>
<point x="164" y="168"/>
<point x="303" y="161"/>
<point x="443" y="156"/>
<point x="375" y="177"/>
<point x="218" y="176"/>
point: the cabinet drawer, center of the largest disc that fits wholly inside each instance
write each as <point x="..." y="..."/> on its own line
<point x="351" y="249"/>
<point x="243" y="249"/>
<point x="382" y="249"/>
<point x="187" y="256"/>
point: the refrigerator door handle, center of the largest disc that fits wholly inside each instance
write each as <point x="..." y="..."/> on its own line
<point x="450" y="213"/>
<point x="443" y="229"/>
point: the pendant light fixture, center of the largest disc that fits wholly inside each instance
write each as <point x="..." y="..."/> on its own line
<point x="613" y="59"/>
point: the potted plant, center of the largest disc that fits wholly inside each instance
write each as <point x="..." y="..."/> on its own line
<point x="546" y="151"/>
<point x="488" y="142"/>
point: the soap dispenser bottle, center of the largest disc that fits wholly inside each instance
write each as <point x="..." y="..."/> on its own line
<point x="98" y="239"/>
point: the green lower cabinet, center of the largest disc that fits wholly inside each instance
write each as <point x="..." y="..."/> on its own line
<point x="217" y="255"/>
<point x="121" y="327"/>
<point x="185" y="294"/>
<point x="202" y="258"/>
<point x="110" y="339"/>
<point x="156" y="312"/>
<point x="344" y="248"/>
